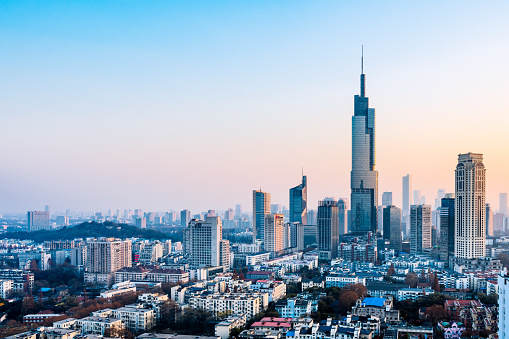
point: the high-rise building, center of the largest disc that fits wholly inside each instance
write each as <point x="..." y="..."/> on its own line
<point x="312" y="217"/>
<point x="38" y="220"/>
<point x="420" y="228"/>
<point x="407" y="201"/>
<point x="275" y="208"/>
<point x="470" y="206"/>
<point x="261" y="207"/>
<point x="489" y="221"/>
<point x="328" y="229"/>
<point x="417" y="197"/>
<point x="108" y="255"/>
<point x="447" y="227"/>
<point x="386" y="199"/>
<point x="440" y="196"/>
<point x="298" y="202"/>
<point x="392" y="226"/>
<point x="204" y="243"/>
<point x="503" y="305"/>
<point x="503" y="203"/>
<point x="238" y="212"/>
<point x="228" y="214"/>
<point x="273" y="235"/>
<point x="364" y="178"/>
<point x="185" y="218"/>
<point x="141" y="223"/>
<point x="343" y="216"/>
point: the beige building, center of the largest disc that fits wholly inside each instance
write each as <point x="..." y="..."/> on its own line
<point x="106" y="256"/>
<point x="205" y="244"/>
<point x="470" y="207"/>
<point x="273" y="235"/>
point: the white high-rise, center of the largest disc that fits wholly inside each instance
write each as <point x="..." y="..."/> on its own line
<point x="503" y="305"/>
<point x="470" y="207"/>
<point x="205" y="244"/>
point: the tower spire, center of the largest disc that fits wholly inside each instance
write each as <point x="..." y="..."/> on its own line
<point x="363" y="78"/>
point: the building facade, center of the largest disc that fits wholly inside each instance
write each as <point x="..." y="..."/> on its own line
<point x="364" y="178"/>
<point x="470" y="207"/>
<point x="328" y="229"/>
<point x="392" y="227"/>
<point x="298" y="202"/>
<point x="420" y="228"/>
<point x="273" y="236"/>
<point x="205" y="244"/>
<point x="261" y="207"/>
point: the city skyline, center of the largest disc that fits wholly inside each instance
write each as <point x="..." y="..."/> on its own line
<point x="94" y="117"/>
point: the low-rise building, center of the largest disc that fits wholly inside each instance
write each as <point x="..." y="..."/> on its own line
<point x="294" y="307"/>
<point x="224" y="328"/>
<point x="98" y="324"/>
<point x="377" y="307"/>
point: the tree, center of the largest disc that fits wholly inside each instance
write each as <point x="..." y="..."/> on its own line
<point x="359" y="289"/>
<point x="436" y="284"/>
<point x="391" y="270"/>
<point x="346" y="301"/>
<point x="411" y="279"/>
<point x="436" y="313"/>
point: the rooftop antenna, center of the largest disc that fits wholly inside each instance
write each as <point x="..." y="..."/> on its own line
<point x="362" y="59"/>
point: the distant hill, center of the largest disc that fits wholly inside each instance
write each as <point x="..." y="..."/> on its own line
<point x="89" y="229"/>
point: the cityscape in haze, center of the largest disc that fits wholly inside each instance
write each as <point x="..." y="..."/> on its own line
<point x="189" y="170"/>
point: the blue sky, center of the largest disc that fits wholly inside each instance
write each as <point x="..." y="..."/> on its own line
<point x="191" y="104"/>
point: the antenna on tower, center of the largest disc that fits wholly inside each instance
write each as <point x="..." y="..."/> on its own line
<point x="362" y="59"/>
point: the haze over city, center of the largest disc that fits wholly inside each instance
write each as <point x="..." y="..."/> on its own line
<point x="173" y="105"/>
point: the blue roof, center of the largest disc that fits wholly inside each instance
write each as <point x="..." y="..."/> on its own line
<point x="374" y="301"/>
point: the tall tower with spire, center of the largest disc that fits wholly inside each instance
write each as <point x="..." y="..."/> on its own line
<point x="364" y="178"/>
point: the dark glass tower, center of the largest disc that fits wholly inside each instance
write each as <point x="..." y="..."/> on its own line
<point x="364" y="178"/>
<point x="298" y="202"/>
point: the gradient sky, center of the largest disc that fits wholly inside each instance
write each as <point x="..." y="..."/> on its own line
<point x="166" y="105"/>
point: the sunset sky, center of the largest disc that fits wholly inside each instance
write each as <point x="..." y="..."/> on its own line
<point x="166" y="105"/>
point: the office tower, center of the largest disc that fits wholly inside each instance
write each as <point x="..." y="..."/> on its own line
<point x="328" y="229"/>
<point x="420" y="228"/>
<point x="380" y="218"/>
<point x="447" y="225"/>
<point x="38" y="220"/>
<point x="386" y="199"/>
<point x="498" y="222"/>
<point x="48" y="209"/>
<point x="392" y="227"/>
<point x="407" y="189"/>
<point x="407" y="201"/>
<point x="275" y="208"/>
<point x="470" y="205"/>
<point x="489" y="221"/>
<point x="299" y="201"/>
<point x="364" y="178"/>
<point x="261" y="207"/>
<point x="238" y="212"/>
<point x="138" y="213"/>
<point x="312" y="217"/>
<point x="273" y="234"/>
<point x="417" y="197"/>
<point x="440" y="196"/>
<point x="205" y="244"/>
<point x="343" y="216"/>
<point x="185" y="218"/>
<point x="169" y="218"/>
<point x="108" y="255"/>
<point x="151" y="217"/>
<point x="228" y="215"/>
<point x="63" y="220"/>
<point x="141" y="223"/>
<point x="503" y="203"/>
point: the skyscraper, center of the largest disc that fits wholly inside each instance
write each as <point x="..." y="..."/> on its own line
<point x="38" y="220"/>
<point x="420" y="228"/>
<point x="470" y="205"/>
<point x="447" y="227"/>
<point x="273" y="235"/>
<point x="185" y="218"/>
<point x="205" y="244"/>
<point x="238" y="212"/>
<point x="343" y="216"/>
<point x="328" y="229"/>
<point x="386" y="199"/>
<point x="503" y="203"/>
<point x="392" y="226"/>
<point x="489" y="221"/>
<point x="364" y="178"/>
<point x="261" y="207"/>
<point x="407" y="201"/>
<point x="298" y="202"/>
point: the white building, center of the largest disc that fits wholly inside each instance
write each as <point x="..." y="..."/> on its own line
<point x="6" y="288"/>
<point x="229" y="303"/>
<point x="503" y="305"/>
<point x="97" y="325"/>
<point x="341" y="280"/>
<point x="470" y="207"/>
